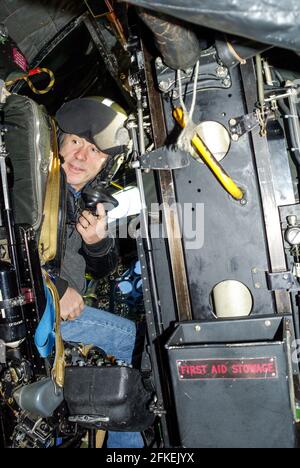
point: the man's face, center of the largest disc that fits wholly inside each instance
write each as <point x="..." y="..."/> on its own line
<point x="82" y="161"/>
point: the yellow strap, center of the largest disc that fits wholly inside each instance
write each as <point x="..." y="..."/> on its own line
<point x="58" y="371"/>
<point x="100" y="439"/>
<point x="48" y="249"/>
<point x="211" y="161"/>
<point x="49" y="232"/>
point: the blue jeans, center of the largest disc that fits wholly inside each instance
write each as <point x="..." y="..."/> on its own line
<point x="116" y="336"/>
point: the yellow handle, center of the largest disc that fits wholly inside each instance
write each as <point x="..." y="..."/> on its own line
<point x="50" y="85"/>
<point x="211" y="161"/>
<point x="26" y="77"/>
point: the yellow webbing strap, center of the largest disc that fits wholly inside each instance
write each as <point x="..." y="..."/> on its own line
<point x="36" y="71"/>
<point x="49" y="232"/>
<point x="58" y="371"/>
<point x="230" y="186"/>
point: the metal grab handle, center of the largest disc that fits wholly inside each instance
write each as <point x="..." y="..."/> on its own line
<point x="229" y="185"/>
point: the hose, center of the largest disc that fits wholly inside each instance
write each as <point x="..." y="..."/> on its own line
<point x="177" y="42"/>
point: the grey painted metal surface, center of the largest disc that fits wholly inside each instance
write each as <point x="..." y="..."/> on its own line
<point x="234" y="235"/>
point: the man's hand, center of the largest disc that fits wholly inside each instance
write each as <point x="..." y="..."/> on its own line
<point x="71" y="305"/>
<point x="93" y="229"/>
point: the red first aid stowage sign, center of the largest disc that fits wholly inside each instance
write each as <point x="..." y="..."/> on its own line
<point x="216" y="369"/>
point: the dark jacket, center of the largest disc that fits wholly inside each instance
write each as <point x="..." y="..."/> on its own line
<point x="79" y="258"/>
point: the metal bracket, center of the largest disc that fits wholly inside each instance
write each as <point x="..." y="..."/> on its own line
<point x="259" y="278"/>
<point x="239" y="126"/>
<point x="14" y="302"/>
<point x="283" y="281"/>
<point x="89" y="419"/>
<point x="165" y="158"/>
<point x="212" y="74"/>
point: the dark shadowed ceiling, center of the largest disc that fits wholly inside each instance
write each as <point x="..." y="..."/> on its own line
<point x="33" y="23"/>
<point x="275" y="22"/>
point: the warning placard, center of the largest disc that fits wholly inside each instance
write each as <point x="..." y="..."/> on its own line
<point x="19" y="59"/>
<point x="233" y="369"/>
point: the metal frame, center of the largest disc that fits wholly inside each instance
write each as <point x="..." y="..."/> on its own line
<point x="270" y="208"/>
<point x="169" y="200"/>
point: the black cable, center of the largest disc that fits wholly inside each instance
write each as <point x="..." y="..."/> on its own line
<point x="271" y="89"/>
<point x="286" y="110"/>
<point x="92" y="438"/>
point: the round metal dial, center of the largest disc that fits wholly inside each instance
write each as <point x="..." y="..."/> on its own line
<point x="293" y="236"/>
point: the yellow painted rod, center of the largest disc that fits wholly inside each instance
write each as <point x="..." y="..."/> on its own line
<point x="117" y="186"/>
<point x="209" y="159"/>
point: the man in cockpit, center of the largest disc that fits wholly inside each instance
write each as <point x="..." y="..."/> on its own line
<point x="91" y="132"/>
